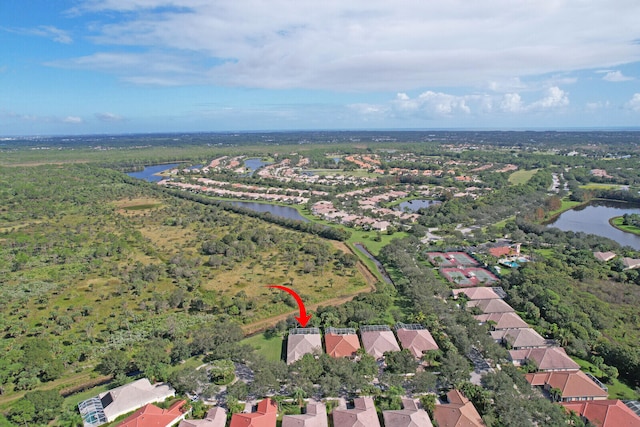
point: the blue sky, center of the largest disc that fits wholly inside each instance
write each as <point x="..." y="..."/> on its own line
<point x="118" y="66"/>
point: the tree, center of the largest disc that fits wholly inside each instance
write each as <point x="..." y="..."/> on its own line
<point x="114" y="362"/>
<point x="22" y="412"/>
<point x="47" y="404"/>
<point x="454" y="370"/>
<point x="153" y="359"/>
<point x="400" y="362"/>
<point x="188" y="380"/>
<point x="222" y="371"/>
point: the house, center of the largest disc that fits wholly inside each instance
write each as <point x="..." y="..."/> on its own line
<point x="216" y="417"/>
<point x="546" y="359"/>
<point x="519" y="338"/>
<point x="457" y="412"/>
<point x="491" y="306"/>
<point x="605" y="413"/>
<point x="316" y="416"/>
<point x="630" y="263"/>
<point x="341" y="342"/>
<point x="153" y="416"/>
<point x="604" y="256"/>
<point x="571" y="386"/>
<point x="416" y="338"/>
<point x="477" y="293"/>
<point x="363" y="414"/>
<point x="377" y="339"/>
<point x="302" y="341"/>
<point x="409" y="416"/>
<point x="107" y="406"/>
<point x="264" y="416"/>
<point x="502" y="251"/>
<point x="502" y="320"/>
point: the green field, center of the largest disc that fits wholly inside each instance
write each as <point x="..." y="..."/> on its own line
<point x="599" y="186"/>
<point x="522" y="176"/>
<point x="270" y="348"/>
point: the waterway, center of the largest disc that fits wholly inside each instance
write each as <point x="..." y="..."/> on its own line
<point x="275" y="210"/>
<point x="415" y="204"/>
<point x="149" y="173"/>
<point x="594" y="219"/>
<point x="379" y="266"/>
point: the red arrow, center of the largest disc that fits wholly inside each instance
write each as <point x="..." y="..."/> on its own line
<point x="303" y="319"/>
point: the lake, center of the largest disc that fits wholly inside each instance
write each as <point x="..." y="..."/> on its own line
<point x="149" y="172"/>
<point x="254" y="164"/>
<point x="275" y="210"/>
<point x="594" y="219"/>
<point x="415" y="204"/>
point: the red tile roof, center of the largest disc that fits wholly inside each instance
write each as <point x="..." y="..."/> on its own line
<point x="416" y="340"/>
<point x="573" y="384"/>
<point x="341" y="345"/>
<point x="152" y="416"/>
<point x="265" y="416"/>
<point x="605" y="413"/>
<point x="459" y="412"/>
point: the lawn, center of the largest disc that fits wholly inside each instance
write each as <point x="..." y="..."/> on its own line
<point x="617" y="222"/>
<point x="600" y="186"/>
<point x="522" y="176"/>
<point x="270" y="348"/>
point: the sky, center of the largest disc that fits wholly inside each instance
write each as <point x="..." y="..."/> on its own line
<point x="141" y="66"/>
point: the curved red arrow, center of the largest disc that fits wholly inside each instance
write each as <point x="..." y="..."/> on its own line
<point x="303" y="319"/>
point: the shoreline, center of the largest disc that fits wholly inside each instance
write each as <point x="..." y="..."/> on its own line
<point x="611" y="223"/>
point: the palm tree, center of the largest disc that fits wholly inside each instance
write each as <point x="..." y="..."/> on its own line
<point x="299" y="395"/>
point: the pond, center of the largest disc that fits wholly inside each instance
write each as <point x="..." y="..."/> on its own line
<point x="594" y="219"/>
<point x="149" y="172"/>
<point x="275" y="210"/>
<point x="254" y="164"/>
<point x="415" y="204"/>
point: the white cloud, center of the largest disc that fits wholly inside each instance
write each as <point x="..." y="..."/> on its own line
<point x="362" y="45"/>
<point x="634" y="103"/>
<point x="48" y="31"/>
<point x="73" y="120"/>
<point x="616" y="76"/>
<point x="555" y="98"/>
<point x="109" y="117"/>
<point x="433" y="104"/>
<point x="511" y="103"/>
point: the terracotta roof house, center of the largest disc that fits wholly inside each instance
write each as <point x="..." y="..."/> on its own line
<point x="459" y="412"/>
<point x="302" y="341"/>
<point x="574" y="385"/>
<point x="362" y="415"/>
<point x="508" y="320"/>
<point x="416" y="338"/>
<point x="341" y="342"/>
<point x="604" y="256"/>
<point x="491" y="305"/>
<point x="107" y="406"/>
<point x="409" y="416"/>
<point x="264" y="416"/>
<point x="501" y="251"/>
<point x="478" y="293"/>
<point x="216" y="417"/>
<point x="376" y="339"/>
<point x="546" y="359"/>
<point x="605" y="413"/>
<point x="152" y="416"/>
<point x="519" y="338"/>
<point x="630" y="263"/>
<point x="316" y="416"/>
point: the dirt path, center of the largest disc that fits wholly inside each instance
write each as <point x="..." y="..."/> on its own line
<point x="369" y="277"/>
<point x="263" y="324"/>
